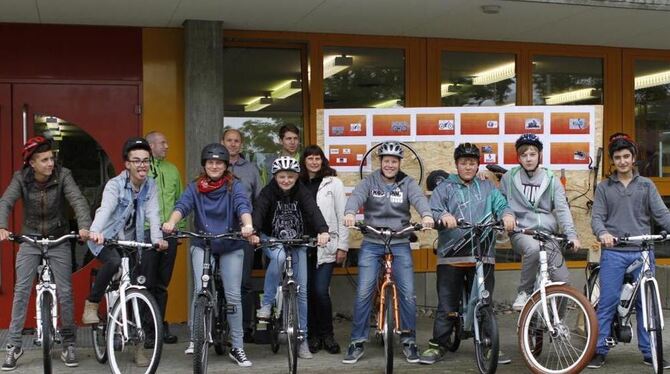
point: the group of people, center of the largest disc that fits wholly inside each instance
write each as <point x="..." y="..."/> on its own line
<point x="147" y="202"/>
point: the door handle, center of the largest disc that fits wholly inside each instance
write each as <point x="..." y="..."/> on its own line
<point x="24" y="119"/>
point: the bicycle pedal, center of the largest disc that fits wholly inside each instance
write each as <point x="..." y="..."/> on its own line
<point x="610" y="341"/>
<point x="404" y="331"/>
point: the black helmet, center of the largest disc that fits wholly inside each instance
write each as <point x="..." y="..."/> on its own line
<point x="135" y="143"/>
<point x="214" y="151"/>
<point x="466" y="150"/>
<point x="528" y="139"/>
<point x="435" y="178"/>
<point x="619" y="141"/>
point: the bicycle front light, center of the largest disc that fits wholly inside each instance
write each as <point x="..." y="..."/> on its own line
<point x="485" y="294"/>
<point x="141" y="279"/>
<point x="205" y="278"/>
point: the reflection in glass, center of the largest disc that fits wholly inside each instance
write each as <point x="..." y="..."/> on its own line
<point x="561" y="80"/>
<point x="652" y="117"/>
<point x="478" y="79"/>
<point x="90" y="166"/>
<point x="357" y="77"/>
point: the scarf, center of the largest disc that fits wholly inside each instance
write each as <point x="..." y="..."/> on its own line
<point x="206" y="185"/>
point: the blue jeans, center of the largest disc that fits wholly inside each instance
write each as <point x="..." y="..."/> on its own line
<point x="273" y="279"/>
<point x="613" y="266"/>
<point x="230" y="267"/>
<point x="368" y="274"/>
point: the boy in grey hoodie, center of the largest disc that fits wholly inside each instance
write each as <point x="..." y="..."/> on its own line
<point x="386" y="195"/>
<point x="538" y="201"/>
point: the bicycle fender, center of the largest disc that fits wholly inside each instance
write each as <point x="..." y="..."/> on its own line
<point x="518" y="321"/>
<point x="135" y="287"/>
<point x="643" y="295"/>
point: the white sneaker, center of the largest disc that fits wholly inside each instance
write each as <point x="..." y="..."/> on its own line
<point x="303" y="350"/>
<point x="520" y="301"/>
<point x="189" y="349"/>
<point x="264" y="312"/>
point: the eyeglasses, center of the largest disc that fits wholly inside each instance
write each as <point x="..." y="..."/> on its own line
<point x="137" y="162"/>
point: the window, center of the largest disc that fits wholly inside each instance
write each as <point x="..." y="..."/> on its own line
<point x="478" y="79"/>
<point x="567" y="80"/>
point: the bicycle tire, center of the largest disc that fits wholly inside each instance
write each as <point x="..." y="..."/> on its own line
<point x="275" y="326"/>
<point x="202" y="322"/>
<point x="453" y="339"/>
<point x="98" y="332"/>
<point x="292" y="329"/>
<point x="387" y="329"/>
<point x="117" y="349"/>
<point x="654" y="328"/>
<point x="488" y="348"/>
<point x="48" y="330"/>
<point x="222" y="330"/>
<point x="559" y="296"/>
<point x="414" y="155"/>
<point x="593" y="287"/>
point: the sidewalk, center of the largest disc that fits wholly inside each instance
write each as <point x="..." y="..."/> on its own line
<point x="622" y="359"/>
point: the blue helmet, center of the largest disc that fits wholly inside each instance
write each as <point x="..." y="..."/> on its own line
<point x="529" y="139"/>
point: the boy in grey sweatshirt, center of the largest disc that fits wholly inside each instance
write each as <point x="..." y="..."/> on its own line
<point x="538" y="201"/>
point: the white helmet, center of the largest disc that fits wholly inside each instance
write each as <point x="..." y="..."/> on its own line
<point x="390" y="149"/>
<point x="285" y="163"/>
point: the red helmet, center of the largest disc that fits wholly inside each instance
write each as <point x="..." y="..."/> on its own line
<point x="31" y="146"/>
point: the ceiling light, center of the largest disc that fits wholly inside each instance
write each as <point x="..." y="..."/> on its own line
<point x="393" y="103"/>
<point x="572" y="96"/>
<point x="286" y="89"/>
<point x="494" y="75"/>
<point x="258" y="104"/>
<point x="652" y="80"/>
<point x="448" y="89"/>
<point x="335" y="64"/>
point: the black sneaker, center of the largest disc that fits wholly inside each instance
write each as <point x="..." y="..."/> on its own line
<point x="648" y="361"/>
<point x="354" y="353"/>
<point x="13" y="355"/>
<point x="597" y="362"/>
<point x="238" y="355"/>
<point x="411" y="352"/>
<point x="330" y="345"/>
<point x="69" y="356"/>
<point x="315" y="344"/>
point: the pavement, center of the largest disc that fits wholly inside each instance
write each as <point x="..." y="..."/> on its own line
<point x="625" y="358"/>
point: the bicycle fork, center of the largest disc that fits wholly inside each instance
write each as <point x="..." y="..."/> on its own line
<point x="643" y="295"/>
<point x="41" y="288"/>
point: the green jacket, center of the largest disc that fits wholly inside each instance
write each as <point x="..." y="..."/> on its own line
<point x="170" y="186"/>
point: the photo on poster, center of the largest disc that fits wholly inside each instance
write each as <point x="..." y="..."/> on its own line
<point x="446" y="125"/>
<point x="355" y="127"/>
<point x="346" y="125"/>
<point x="491" y="124"/>
<point x="577" y="123"/>
<point x="490" y="158"/>
<point x="533" y="123"/>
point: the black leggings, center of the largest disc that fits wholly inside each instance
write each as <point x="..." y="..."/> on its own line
<point x="111" y="260"/>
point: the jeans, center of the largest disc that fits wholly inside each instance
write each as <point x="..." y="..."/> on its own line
<point x="529" y="249"/>
<point x="230" y="268"/>
<point x="613" y="266"/>
<point x="248" y="300"/>
<point x="27" y="260"/>
<point x="368" y="274"/>
<point x="111" y="261"/>
<point x="273" y="277"/>
<point x="157" y="267"/>
<point x="320" y="318"/>
<point x="450" y="283"/>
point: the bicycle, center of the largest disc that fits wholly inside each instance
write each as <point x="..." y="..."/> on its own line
<point x="388" y="315"/>
<point x="561" y="313"/>
<point x="210" y="322"/>
<point x="476" y="317"/>
<point x="129" y="306"/>
<point x="286" y="302"/>
<point x="646" y="284"/>
<point x="46" y="302"/>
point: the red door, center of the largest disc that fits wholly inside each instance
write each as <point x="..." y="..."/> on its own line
<point x="90" y="124"/>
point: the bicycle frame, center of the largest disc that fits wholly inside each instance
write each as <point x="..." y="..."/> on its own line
<point x="386" y="280"/>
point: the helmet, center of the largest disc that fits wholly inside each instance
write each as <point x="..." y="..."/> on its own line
<point x="435" y="178"/>
<point x="621" y="141"/>
<point x="466" y="150"/>
<point x="133" y="144"/>
<point x="529" y="139"/>
<point x="285" y="163"/>
<point x="31" y="146"/>
<point x="390" y="149"/>
<point x="214" y="151"/>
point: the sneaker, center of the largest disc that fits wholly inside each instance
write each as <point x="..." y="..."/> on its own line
<point x="238" y="355"/>
<point x="264" y="312"/>
<point x="315" y="344"/>
<point x="433" y="354"/>
<point x="141" y="359"/>
<point x="69" y="356"/>
<point x="330" y="345"/>
<point x="303" y="351"/>
<point x="597" y="362"/>
<point x="168" y="338"/>
<point x="503" y="359"/>
<point x="411" y="352"/>
<point x="189" y="349"/>
<point x="354" y="353"/>
<point x="520" y="301"/>
<point x="13" y="355"/>
<point x="648" y="361"/>
<point x="90" y="313"/>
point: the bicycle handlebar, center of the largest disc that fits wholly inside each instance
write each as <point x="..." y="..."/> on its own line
<point x="304" y="240"/>
<point x="40" y="240"/>
<point x="181" y="234"/>
<point x="131" y="244"/>
<point x="545" y="237"/>
<point x="643" y="238"/>
<point x="495" y="225"/>
<point x="385" y="231"/>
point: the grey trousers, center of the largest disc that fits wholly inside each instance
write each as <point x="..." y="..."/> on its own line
<point x="27" y="260"/>
<point x="529" y="249"/>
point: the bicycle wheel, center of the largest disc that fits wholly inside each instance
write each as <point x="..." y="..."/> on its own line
<point x="202" y="322"/>
<point x="98" y="332"/>
<point x="654" y="327"/>
<point x="453" y="339"/>
<point x="291" y="324"/>
<point x="128" y="354"/>
<point x="487" y="349"/>
<point x="387" y="329"/>
<point x="275" y="327"/>
<point x="593" y="287"/>
<point x="573" y="342"/>
<point x="48" y="330"/>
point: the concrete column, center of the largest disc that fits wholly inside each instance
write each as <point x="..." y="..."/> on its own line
<point x="203" y="87"/>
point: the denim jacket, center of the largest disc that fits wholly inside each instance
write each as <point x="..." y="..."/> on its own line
<point x="117" y="206"/>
